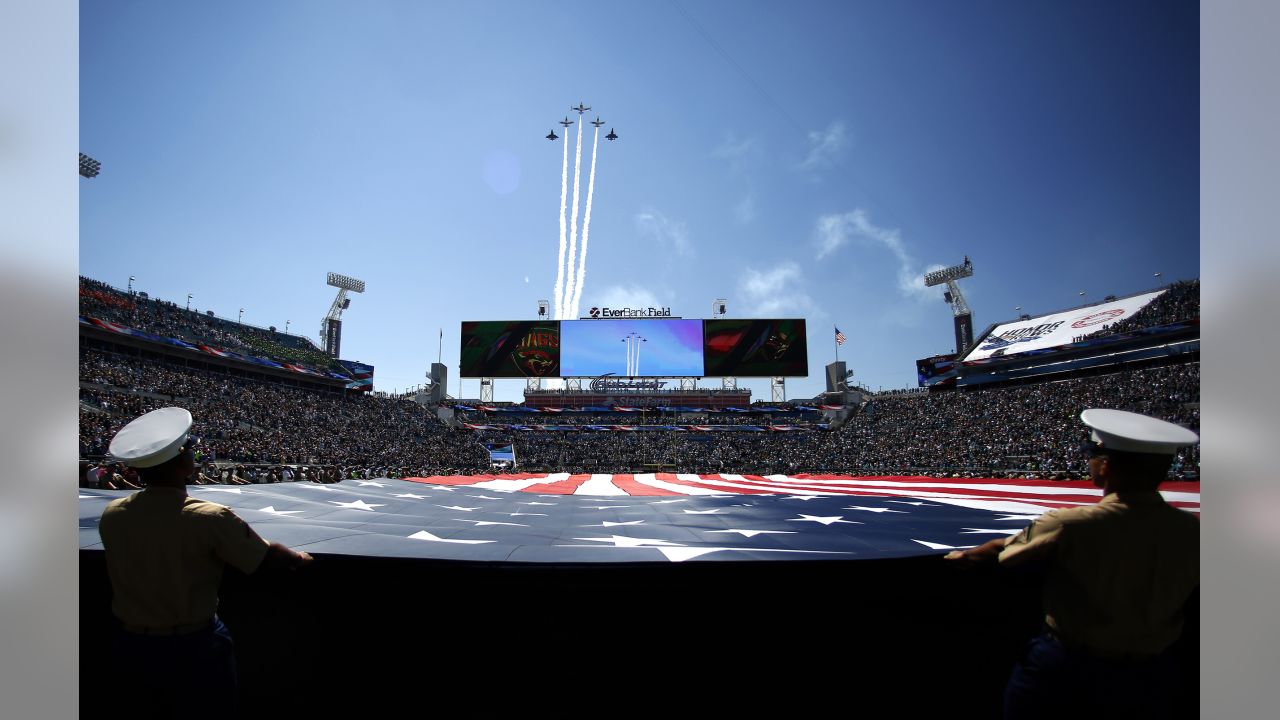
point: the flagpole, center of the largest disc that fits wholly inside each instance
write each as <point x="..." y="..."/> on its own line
<point x="834" y="342"/>
<point x="440" y="349"/>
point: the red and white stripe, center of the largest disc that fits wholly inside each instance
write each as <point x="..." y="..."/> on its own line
<point x="1023" y="496"/>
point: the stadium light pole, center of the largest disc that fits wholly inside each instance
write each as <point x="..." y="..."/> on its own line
<point x="240" y="319"/>
<point x="1082" y="296"/>
<point x="1158" y="276"/>
<point x="286" y="327"/>
<point x="132" y="278"/>
<point x="189" y="296"/>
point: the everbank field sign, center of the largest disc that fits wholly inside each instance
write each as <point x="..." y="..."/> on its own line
<point x="597" y="313"/>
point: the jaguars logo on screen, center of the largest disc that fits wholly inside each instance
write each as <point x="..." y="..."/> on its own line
<point x="535" y="356"/>
<point x="595" y="312"/>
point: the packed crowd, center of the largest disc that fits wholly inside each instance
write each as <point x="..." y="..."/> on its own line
<point x="167" y="319"/>
<point x="642" y="419"/>
<point x="265" y="428"/>
<point x="1181" y="301"/>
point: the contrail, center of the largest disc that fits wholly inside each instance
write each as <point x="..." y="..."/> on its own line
<point x="564" y="189"/>
<point x="586" y="228"/>
<point x="573" y="219"/>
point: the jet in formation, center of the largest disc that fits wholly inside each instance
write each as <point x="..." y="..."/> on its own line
<point x="581" y="108"/>
<point x="612" y="135"/>
<point x="566" y="121"/>
<point x="552" y="135"/>
<point x="597" y="122"/>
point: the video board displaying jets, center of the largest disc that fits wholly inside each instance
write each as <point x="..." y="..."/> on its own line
<point x="660" y="347"/>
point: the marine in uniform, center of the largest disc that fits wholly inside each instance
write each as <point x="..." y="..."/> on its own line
<point x="1117" y="576"/>
<point x="165" y="555"/>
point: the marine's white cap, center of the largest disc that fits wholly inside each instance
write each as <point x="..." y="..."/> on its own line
<point x="152" y="439"/>
<point x="1130" y="432"/>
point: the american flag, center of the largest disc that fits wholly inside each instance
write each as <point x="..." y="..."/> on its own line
<point x="642" y="517"/>
<point x="840" y="338"/>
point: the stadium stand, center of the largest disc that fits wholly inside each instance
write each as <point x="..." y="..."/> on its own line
<point x="1180" y="302"/>
<point x="161" y="317"/>
<point x="1026" y="430"/>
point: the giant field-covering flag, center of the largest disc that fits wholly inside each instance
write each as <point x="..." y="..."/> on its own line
<point x="643" y="517"/>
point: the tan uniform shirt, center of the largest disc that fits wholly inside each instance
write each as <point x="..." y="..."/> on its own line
<point x="165" y="554"/>
<point x="1118" y="572"/>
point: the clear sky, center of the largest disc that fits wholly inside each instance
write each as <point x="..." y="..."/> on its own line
<point x="806" y="159"/>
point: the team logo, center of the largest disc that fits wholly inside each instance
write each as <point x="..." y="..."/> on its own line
<point x="594" y="312"/>
<point x="537" y="353"/>
<point x="1096" y="318"/>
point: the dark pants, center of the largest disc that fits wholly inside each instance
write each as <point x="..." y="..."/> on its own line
<point x="1052" y="681"/>
<point x="186" y="676"/>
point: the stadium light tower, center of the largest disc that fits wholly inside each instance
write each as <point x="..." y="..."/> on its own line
<point x="189" y="296"/>
<point x="963" y="317"/>
<point x="331" y="325"/>
<point x="718" y="311"/>
<point x="89" y="167"/>
<point x="131" y="279"/>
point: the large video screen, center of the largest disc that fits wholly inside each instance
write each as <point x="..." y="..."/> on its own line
<point x="631" y="348"/>
<point x="510" y="349"/>
<point x="756" y="348"/>
<point x="1046" y="331"/>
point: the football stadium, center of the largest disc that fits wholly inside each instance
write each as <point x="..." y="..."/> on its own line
<point x="624" y="507"/>
<point x="856" y="372"/>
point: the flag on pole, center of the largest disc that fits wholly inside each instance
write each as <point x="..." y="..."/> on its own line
<point x="840" y="338"/>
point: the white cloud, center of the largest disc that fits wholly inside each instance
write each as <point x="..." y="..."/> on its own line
<point x="526" y="279"/>
<point x="779" y="292"/>
<point x="832" y="232"/>
<point x="826" y="146"/>
<point x="668" y="233"/>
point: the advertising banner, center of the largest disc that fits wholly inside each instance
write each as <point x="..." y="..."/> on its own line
<point x="937" y="370"/>
<point x="1047" y="331"/>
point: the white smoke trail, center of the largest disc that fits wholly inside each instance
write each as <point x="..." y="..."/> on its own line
<point x="564" y="189"/>
<point x="573" y="219"/>
<point x="586" y="228"/>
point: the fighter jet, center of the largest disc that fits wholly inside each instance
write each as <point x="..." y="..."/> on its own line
<point x="612" y="135"/>
<point x="597" y="122"/>
<point x="581" y="108"/>
<point x="552" y="135"/>
<point x="566" y="121"/>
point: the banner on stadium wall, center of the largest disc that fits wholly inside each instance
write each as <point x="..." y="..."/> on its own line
<point x="361" y="375"/>
<point x="1048" y="331"/>
<point x="939" y="370"/>
<point x="501" y="456"/>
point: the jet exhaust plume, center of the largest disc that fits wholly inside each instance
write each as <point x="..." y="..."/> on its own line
<point x="586" y="228"/>
<point x="564" y="189"/>
<point x="573" y="222"/>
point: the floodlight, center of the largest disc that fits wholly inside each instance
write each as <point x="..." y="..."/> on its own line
<point x="88" y="166"/>
<point x="345" y="283"/>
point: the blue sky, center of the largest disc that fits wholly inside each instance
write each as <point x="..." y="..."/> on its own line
<point x="800" y="160"/>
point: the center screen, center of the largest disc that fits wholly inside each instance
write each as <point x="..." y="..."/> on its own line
<point x="631" y="348"/>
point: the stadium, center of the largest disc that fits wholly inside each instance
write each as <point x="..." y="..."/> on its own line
<point x="620" y="505"/>
<point x="522" y="465"/>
